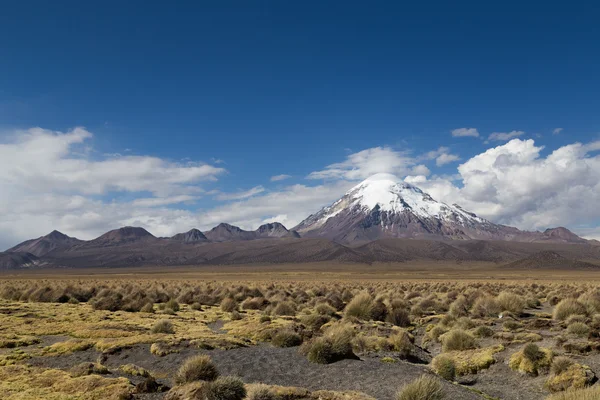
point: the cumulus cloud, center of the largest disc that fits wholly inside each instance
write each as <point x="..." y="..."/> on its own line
<point x="462" y="132"/>
<point x="367" y="162"/>
<point x="39" y="160"/>
<point x="281" y="177"/>
<point x="293" y="202"/>
<point x="502" y="136"/>
<point x="420" y="170"/>
<point x="514" y="185"/>
<point x="49" y="180"/>
<point x="557" y="131"/>
<point x="444" y="159"/>
<point x="441" y="156"/>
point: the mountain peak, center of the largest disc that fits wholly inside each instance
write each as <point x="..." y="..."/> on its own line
<point x="124" y="234"/>
<point x="391" y="194"/>
<point x="56" y="235"/>
<point x="227" y="227"/>
<point x="191" y="236"/>
<point x="275" y="229"/>
<point x="226" y="232"/>
<point x="385" y="206"/>
<point x="45" y="244"/>
<point x="563" y="234"/>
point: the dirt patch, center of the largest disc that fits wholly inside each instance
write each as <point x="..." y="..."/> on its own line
<point x="217" y="326"/>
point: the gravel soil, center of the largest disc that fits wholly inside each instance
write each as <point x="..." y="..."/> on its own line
<point x="271" y="365"/>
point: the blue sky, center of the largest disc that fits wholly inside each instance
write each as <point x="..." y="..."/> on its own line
<point x="263" y="88"/>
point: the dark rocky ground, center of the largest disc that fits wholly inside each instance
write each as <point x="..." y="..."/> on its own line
<point x="270" y="365"/>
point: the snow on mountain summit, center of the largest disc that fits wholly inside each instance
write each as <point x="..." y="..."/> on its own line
<point x="389" y="194"/>
<point x="385" y="206"/>
<point x="393" y="195"/>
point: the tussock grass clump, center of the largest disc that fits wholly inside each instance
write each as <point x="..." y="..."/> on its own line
<point x="286" y="308"/>
<point x="483" y="331"/>
<point x="255" y="303"/>
<point x="578" y="328"/>
<point x="361" y="307"/>
<point x="511" y="302"/>
<point x="591" y="301"/>
<point x="224" y="388"/>
<point x="198" y="368"/>
<point x="423" y="388"/>
<point x="464" y="323"/>
<point x="334" y="345"/>
<point x="314" y="321"/>
<point x="511" y="325"/>
<point x="229" y="304"/>
<point x="172" y="305"/>
<point x="108" y="300"/>
<point x="402" y="342"/>
<point x="434" y="333"/>
<point x="286" y="338"/>
<point x="398" y="316"/>
<point x="567" y="307"/>
<point x="459" y="308"/>
<point x="162" y="349"/>
<point x="379" y="311"/>
<point x="467" y="361"/>
<point x="531" y="360"/>
<point x="148" y="308"/>
<point x="592" y="393"/>
<point x="319" y="351"/>
<point x="163" y="326"/>
<point x="457" y="339"/>
<point x="560" y="364"/>
<point x="325" y="309"/>
<point x="576" y="376"/>
<point x="444" y="366"/>
<point x="260" y="391"/>
<point x="132" y="369"/>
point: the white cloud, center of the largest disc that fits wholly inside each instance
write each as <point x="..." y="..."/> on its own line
<point x="39" y="160"/>
<point x="514" y="185"/>
<point x="462" y="132"/>
<point x="281" y="177"/>
<point x="589" y="233"/>
<point x="420" y="170"/>
<point x="441" y="156"/>
<point x="241" y="195"/>
<point x="296" y="202"/>
<point x="49" y="180"/>
<point x="556" y="131"/>
<point x="444" y="159"/>
<point x="416" y="179"/>
<point x="367" y="162"/>
<point x="163" y="201"/>
<point x="501" y="136"/>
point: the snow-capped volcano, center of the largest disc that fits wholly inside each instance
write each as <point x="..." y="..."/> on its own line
<point x="385" y="206"/>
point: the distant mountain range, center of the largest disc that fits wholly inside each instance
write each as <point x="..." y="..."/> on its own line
<point x="381" y="219"/>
